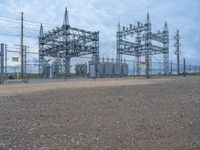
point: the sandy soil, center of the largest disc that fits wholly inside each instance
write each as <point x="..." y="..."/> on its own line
<point x="13" y="89"/>
<point x="110" y="114"/>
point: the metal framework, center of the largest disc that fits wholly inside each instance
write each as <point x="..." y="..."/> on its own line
<point x="66" y="42"/>
<point x="139" y="41"/>
<point x="177" y="52"/>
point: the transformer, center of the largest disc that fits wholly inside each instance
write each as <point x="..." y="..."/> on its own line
<point x="81" y="69"/>
<point x="108" y="69"/>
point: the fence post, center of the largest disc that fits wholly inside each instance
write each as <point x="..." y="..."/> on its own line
<point x="2" y="64"/>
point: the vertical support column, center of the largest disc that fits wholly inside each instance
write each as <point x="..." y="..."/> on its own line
<point x="25" y="77"/>
<point x="6" y="61"/>
<point x="41" y="62"/>
<point x="25" y="65"/>
<point x="184" y="67"/>
<point x="95" y="56"/>
<point x="41" y="55"/>
<point x="147" y="51"/>
<point x="166" y="49"/>
<point x="171" y="68"/>
<point x="119" y="37"/>
<point x="166" y="63"/>
<point x="137" y="65"/>
<point x="177" y="45"/>
<point x="67" y="65"/>
<point x="134" y="73"/>
<point x="2" y="64"/>
<point x="22" y="45"/>
<point x="178" y="54"/>
<point x="138" y="41"/>
<point x="147" y="64"/>
<point x="166" y="59"/>
<point x="67" y="56"/>
<point x="150" y="64"/>
<point x="148" y="46"/>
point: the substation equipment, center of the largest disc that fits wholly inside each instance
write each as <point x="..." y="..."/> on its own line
<point x="61" y="44"/>
<point x="108" y="69"/>
<point x="140" y="41"/>
<point x="81" y="69"/>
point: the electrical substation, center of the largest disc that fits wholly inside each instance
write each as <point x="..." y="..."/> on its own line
<point x="113" y="75"/>
<point x="59" y="45"/>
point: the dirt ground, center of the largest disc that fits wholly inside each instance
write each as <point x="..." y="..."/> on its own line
<point x="102" y="114"/>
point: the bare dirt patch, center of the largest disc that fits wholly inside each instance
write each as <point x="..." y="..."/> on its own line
<point x="102" y="114"/>
<point x="40" y="85"/>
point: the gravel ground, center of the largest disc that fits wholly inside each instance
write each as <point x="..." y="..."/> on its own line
<point x="110" y="114"/>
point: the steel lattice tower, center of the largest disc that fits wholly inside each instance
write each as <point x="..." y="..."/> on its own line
<point x="177" y="52"/>
<point x="166" y="49"/>
<point x="66" y="42"/>
<point x="142" y="45"/>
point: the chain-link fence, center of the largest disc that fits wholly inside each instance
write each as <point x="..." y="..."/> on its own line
<point x="79" y="67"/>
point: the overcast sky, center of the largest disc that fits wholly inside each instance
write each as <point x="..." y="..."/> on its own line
<point x="104" y="15"/>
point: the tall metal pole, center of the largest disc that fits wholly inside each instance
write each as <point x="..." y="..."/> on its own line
<point x="25" y="49"/>
<point x="2" y="63"/>
<point x="6" y="60"/>
<point x="118" y="41"/>
<point x="166" y="49"/>
<point x="148" y="46"/>
<point x="22" y="45"/>
<point x="138" y="41"/>
<point x="25" y="79"/>
<point x="177" y="52"/>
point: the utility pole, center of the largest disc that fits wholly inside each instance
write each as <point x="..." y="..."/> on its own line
<point x="2" y="46"/>
<point x="25" y="77"/>
<point x="22" y="45"/>
<point x="177" y="52"/>
<point x="6" y="61"/>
